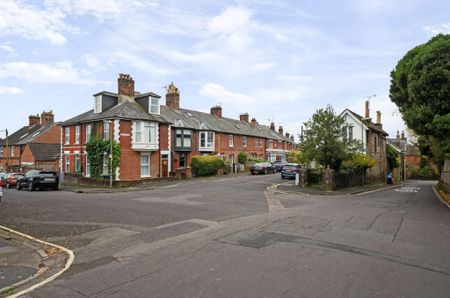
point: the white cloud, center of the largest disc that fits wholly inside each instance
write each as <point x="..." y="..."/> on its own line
<point x="7" y="48"/>
<point x="222" y="95"/>
<point x="58" y="73"/>
<point x="10" y="90"/>
<point x="436" y="29"/>
<point x="19" y="18"/>
<point x="92" y="61"/>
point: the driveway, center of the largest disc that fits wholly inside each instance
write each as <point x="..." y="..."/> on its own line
<point x="217" y="239"/>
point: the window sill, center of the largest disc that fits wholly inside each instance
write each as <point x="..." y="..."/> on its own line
<point x="145" y="146"/>
<point x="209" y="149"/>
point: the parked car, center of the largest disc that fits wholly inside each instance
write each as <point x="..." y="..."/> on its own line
<point x="262" y="168"/>
<point x="38" y="179"/>
<point x="3" y="179"/>
<point x="11" y="179"/>
<point x="278" y="165"/>
<point x="289" y="170"/>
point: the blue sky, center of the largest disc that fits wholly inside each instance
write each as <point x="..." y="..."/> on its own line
<point x="277" y="60"/>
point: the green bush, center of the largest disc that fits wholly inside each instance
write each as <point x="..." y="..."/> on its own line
<point x="242" y="158"/>
<point x="206" y="165"/>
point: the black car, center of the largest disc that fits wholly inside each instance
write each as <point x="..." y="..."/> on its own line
<point x="289" y="170"/>
<point x="38" y="179"/>
<point x="278" y="165"/>
<point x="262" y="168"/>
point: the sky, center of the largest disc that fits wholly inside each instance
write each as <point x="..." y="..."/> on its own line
<point x="276" y="60"/>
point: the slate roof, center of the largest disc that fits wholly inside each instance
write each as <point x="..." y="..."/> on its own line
<point x="45" y="152"/>
<point x="125" y="110"/>
<point x="184" y="118"/>
<point x="27" y="134"/>
<point x="368" y="123"/>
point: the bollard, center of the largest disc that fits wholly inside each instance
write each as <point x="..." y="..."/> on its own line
<point x="1" y="194"/>
<point x="297" y="179"/>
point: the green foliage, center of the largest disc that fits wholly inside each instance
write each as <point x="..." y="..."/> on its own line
<point x="420" y="87"/>
<point x="206" y="165"/>
<point x="242" y="158"/>
<point x="358" y="161"/>
<point x="322" y="139"/>
<point x="296" y="156"/>
<point x="96" y="149"/>
<point x="392" y="157"/>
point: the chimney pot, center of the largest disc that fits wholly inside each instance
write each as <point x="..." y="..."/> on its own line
<point x="47" y="117"/>
<point x="403" y="135"/>
<point x="287" y="135"/>
<point x="378" y="117"/>
<point x="272" y="126"/>
<point x="243" y="117"/>
<point x="173" y="97"/>
<point x="33" y="120"/>
<point x="254" y="123"/>
<point x="217" y="111"/>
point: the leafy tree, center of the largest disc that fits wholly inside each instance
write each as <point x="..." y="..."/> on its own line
<point x="392" y="157"/>
<point x="242" y="158"/>
<point x="96" y="149"/>
<point x="296" y="156"/>
<point x="420" y="87"/>
<point x="322" y="139"/>
<point x="359" y="161"/>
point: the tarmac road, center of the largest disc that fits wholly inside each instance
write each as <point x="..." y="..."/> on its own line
<point x="217" y="239"/>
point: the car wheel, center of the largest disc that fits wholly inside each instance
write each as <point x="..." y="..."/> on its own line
<point x="55" y="187"/>
<point x="18" y="187"/>
<point x="265" y="172"/>
<point x="30" y="186"/>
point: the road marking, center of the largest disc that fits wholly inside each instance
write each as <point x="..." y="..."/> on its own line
<point x="272" y="202"/>
<point x="51" y="278"/>
<point x="178" y="199"/>
<point x="408" y="189"/>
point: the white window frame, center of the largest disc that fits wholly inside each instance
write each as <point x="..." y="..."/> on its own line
<point x="152" y="104"/>
<point x="88" y="132"/>
<point x="145" y="136"/>
<point x="77" y="162"/>
<point x="87" y="169"/>
<point x="67" y="136"/>
<point x="106" y="131"/>
<point x="77" y="134"/>
<point x="150" y="132"/>
<point x="205" y="134"/>
<point x="12" y="150"/>
<point x="97" y="104"/>
<point x="147" y="165"/>
<point x="67" y="163"/>
<point x="230" y="141"/>
<point x="270" y="144"/>
<point x="244" y="141"/>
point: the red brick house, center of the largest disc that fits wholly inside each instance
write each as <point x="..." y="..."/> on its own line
<point x="156" y="139"/>
<point x="34" y="146"/>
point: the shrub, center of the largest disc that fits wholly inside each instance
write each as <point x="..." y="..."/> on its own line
<point x="358" y="161"/>
<point x="206" y="165"/>
<point x="96" y="149"/>
<point x="242" y="158"/>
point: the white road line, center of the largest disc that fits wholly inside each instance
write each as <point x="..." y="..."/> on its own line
<point x="51" y="278"/>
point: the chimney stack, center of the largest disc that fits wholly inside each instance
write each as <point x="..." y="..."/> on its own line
<point x="272" y="126"/>
<point x="34" y="120"/>
<point x="216" y="111"/>
<point x="403" y="135"/>
<point x="292" y="138"/>
<point x="125" y="85"/>
<point x="378" y="117"/>
<point x="244" y="117"/>
<point x="287" y="135"/>
<point x="254" y="123"/>
<point x="47" y="117"/>
<point x="173" y="97"/>
<point x="280" y="130"/>
<point x="367" y="110"/>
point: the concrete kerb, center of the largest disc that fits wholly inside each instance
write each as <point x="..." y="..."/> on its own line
<point x="69" y="262"/>
<point x="438" y="195"/>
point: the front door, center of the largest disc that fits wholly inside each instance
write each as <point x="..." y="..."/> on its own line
<point x="165" y="164"/>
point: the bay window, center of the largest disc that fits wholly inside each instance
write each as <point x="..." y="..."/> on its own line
<point x="145" y="135"/>
<point x="183" y="138"/>
<point x="206" y="140"/>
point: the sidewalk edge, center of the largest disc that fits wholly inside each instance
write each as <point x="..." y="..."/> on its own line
<point x="51" y="278"/>
<point x="438" y="195"/>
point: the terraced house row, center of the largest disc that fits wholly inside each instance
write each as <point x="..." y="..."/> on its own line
<point x="158" y="139"/>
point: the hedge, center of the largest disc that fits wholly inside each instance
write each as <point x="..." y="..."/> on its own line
<point x="206" y="165"/>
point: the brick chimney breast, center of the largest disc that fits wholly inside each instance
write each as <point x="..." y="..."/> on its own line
<point x="272" y="126"/>
<point x="216" y="111"/>
<point x="47" y="117"/>
<point x="173" y="97"/>
<point x="244" y="117"/>
<point x="254" y="123"/>
<point x="34" y="120"/>
<point x="287" y="135"/>
<point x="367" y="114"/>
<point x="280" y="130"/>
<point x="125" y="85"/>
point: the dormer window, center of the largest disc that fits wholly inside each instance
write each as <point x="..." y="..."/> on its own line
<point x="153" y="105"/>
<point x="98" y="104"/>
